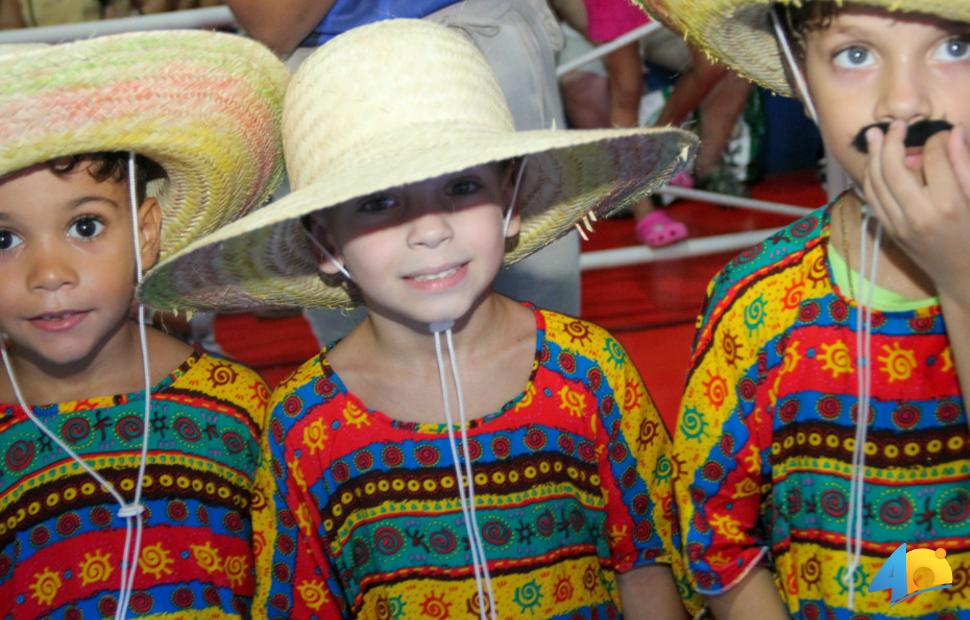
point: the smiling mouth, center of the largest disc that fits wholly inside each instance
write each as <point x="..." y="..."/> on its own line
<point x="439" y="275"/>
<point x="438" y="279"/>
<point x="58" y="321"/>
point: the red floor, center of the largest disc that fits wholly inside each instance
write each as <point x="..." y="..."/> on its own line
<point x="650" y="307"/>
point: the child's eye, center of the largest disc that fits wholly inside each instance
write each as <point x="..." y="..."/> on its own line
<point x="853" y="57"/>
<point x="85" y="228"/>
<point x="957" y="48"/>
<point x="9" y="240"/>
<point x="376" y="204"/>
<point x="464" y="187"/>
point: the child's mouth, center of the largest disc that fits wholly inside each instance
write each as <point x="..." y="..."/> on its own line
<point x="58" y="321"/>
<point x="913" y="158"/>
<point x="437" y="280"/>
<point x="436" y="276"/>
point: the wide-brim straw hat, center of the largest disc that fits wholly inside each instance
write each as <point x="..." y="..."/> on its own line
<point x="390" y="104"/>
<point x="739" y="32"/>
<point x="204" y="106"/>
<point x="657" y="11"/>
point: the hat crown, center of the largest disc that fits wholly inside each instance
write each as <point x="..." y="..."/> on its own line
<point x="389" y="85"/>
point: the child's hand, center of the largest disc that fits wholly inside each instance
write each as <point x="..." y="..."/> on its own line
<point x="925" y="206"/>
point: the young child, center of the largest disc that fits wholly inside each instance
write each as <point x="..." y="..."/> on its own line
<point x="128" y="460"/>
<point x="791" y="501"/>
<point x="458" y="453"/>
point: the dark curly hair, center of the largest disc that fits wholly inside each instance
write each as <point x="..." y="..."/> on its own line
<point x="109" y="166"/>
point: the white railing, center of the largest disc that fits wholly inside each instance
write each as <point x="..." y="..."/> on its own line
<point x="602" y="50"/>
<point x="697" y="246"/>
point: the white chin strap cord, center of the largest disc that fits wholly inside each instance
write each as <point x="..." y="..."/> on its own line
<point x="132" y="513"/>
<point x="327" y="253"/>
<point x="868" y="270"/>
<point x="796" y="71"/>
<point x="515" y="196"/>
<point x="483" y="580"/>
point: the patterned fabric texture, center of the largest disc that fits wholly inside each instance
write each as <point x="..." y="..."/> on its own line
<point x="61" y="541"/>
<point x="571" y="480"/>
<point x="767" y="430"/>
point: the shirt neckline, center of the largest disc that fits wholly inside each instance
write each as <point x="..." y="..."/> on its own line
<point x="110" y="400"/>
<point x="436" y="428"/>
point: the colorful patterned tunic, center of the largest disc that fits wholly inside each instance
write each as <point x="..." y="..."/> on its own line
<point x="767" y="428"/>
<point x="61" y="541"/>
<point x="571" y="483"/>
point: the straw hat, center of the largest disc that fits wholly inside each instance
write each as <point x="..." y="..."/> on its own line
<point x="389" y="104"/>
<point x="204" y="106"/>
<point x="739" y="32"/>
<point x="657" y="11"/>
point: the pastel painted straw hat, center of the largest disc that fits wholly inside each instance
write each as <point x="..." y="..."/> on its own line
<point x="739" y="32"/>
<point x="389" y="104"/>
<point x="204" y="106"/>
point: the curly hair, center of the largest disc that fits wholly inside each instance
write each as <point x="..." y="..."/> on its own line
<point x="109" y="166"/>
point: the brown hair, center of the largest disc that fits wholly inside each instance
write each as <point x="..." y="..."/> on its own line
<point x="810" y="15"/>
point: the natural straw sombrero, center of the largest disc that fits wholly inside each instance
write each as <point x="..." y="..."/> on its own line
<point x="389" y="104"/>
<point x="204" y="106"/>
<point x="739" y="32"/>
<point x="657" y="10"/>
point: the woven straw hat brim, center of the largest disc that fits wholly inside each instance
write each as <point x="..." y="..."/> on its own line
<point x="739" y="33"/>
<point x="265" y="260"/>
<point x="657" y="10"/>
<point x="205" y="106"/>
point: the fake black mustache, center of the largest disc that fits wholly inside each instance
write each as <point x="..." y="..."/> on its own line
<point x="916" y="134"/>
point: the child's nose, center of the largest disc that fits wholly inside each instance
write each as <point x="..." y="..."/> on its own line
<point x="50" y="270"/>
<point x="904" y="94"/>
<point x="431" y="227"/>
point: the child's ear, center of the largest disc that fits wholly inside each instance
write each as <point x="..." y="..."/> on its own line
<point x="321" y="239"/>
<point x="150" y="231"/>
<point x="515" y="223"/>
<point x="508" y="193"/>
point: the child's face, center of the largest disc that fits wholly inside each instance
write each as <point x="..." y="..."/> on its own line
<point x="871" y="66"/>
<point x="67" y="263"/>
<point x="428" y="251"/>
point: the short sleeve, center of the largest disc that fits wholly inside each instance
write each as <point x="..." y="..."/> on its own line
<point x="632" y="444"/>
<point x="294" y="578"/>
<point x="723" y="439"/>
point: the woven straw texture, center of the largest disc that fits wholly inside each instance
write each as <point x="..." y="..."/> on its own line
<point x="390" y="104"/>
<point x="657" y="10"/>
<point x="205" y="106"/>
<point x="739" y="32"/>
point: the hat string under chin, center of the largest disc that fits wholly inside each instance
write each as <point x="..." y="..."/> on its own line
<point x="130" y="512"/>
<point x="483" y="580"/>
<point x="868" y="261"/>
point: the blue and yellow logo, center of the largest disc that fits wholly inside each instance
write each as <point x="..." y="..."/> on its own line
<point x="907" y="574"/>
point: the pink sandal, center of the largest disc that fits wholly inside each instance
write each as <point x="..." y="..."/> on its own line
<point x="657" y="229"/>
